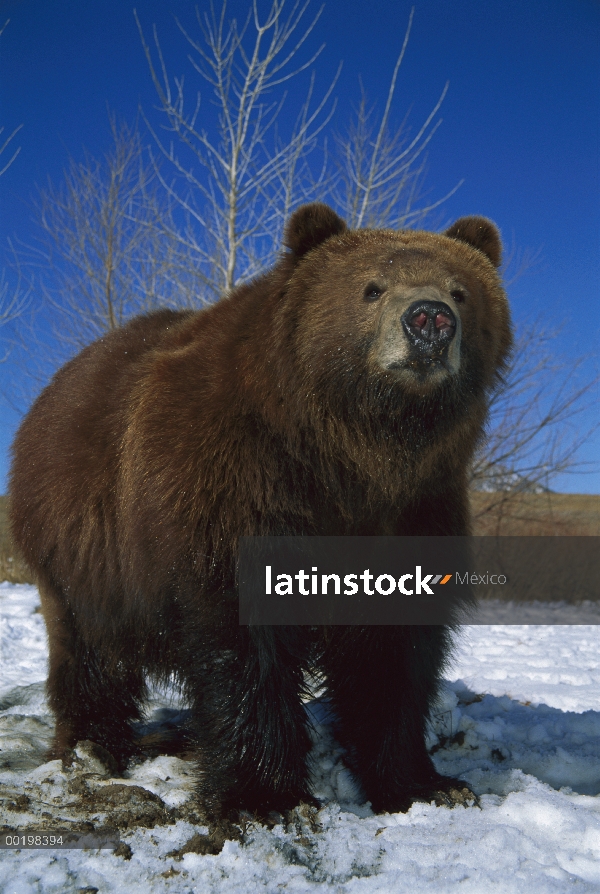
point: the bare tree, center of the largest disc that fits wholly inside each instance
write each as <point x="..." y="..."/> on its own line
<point x="241" y="180"/>
<point x="103" y="255"/>
<point x="238" y="177"/>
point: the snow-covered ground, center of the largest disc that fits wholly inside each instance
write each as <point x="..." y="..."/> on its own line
<point x="519" y="720"/>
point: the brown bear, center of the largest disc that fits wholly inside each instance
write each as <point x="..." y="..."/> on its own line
<point x="341" y="393"/>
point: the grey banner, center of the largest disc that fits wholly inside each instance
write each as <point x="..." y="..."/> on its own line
<point x="414" y="580"/>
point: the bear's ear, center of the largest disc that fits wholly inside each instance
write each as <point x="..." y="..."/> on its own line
<point x="481" y="233"/>
<point x="311" y="225"/>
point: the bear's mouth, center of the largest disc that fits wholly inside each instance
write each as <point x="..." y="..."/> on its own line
<point x="422" y="370"/>
<point x="422" y="364"/>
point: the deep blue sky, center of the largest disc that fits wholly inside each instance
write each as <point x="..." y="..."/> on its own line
<point x="520" y="124"/>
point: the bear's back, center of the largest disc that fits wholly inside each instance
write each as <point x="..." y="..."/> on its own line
<point x="65" y="454"/>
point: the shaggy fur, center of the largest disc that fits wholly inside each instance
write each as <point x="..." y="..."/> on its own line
<point x="154" y="450"/>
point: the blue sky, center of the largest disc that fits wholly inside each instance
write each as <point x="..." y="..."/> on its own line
<point x="520" y="126"/>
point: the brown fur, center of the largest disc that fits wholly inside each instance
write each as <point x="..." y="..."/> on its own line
<point x="154" y="450"/>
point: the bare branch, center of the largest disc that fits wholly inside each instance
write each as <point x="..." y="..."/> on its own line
<point x="375" y="155"/>
<point x="243" y="163"/>
<point x="380" y="169"/>
<point x="12" y="300"/>
<point x="5" y="144"/>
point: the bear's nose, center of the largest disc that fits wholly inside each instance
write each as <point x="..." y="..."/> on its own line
<point x="429" y="324"/>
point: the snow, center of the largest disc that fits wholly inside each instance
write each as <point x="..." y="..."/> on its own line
<point x="518" y="719"/>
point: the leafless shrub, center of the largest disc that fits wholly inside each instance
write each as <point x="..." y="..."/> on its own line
<point x="534" y="433"/>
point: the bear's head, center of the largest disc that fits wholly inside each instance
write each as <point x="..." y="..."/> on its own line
<point x="412" y="316"/>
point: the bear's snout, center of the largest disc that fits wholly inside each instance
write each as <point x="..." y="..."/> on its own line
<point x="419" y="336"/>
<point x="429" y="325"/>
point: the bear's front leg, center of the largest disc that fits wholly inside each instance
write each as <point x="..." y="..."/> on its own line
<point x="382" y="682"/>
<point x="251" y="724"/>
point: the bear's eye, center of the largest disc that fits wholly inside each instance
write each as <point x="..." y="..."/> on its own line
<point x="373" y="292"/>
<point x="459" y="295"/>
